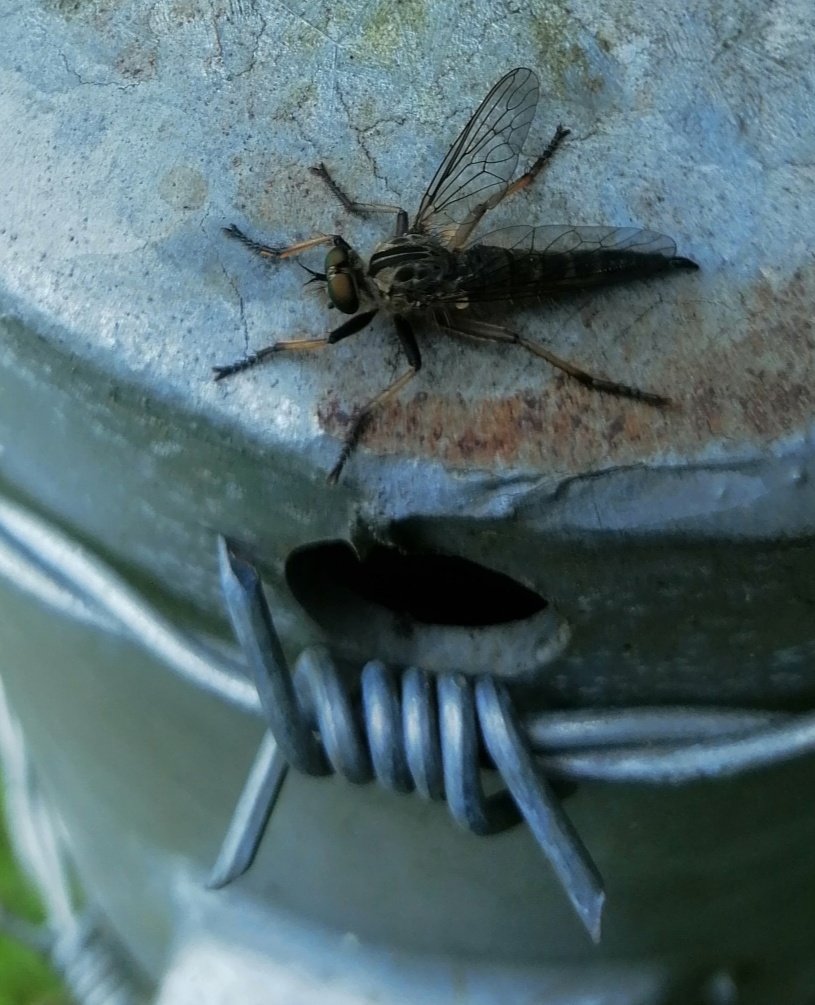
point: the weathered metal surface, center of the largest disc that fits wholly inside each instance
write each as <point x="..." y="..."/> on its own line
<point x="692" y="129"/>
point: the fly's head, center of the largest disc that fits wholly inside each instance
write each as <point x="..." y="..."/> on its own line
<point x="343" y="271"/>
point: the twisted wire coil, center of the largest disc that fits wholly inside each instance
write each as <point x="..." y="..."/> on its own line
<point x="409" y="732"/>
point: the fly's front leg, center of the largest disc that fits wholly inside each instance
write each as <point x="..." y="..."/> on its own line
<point x="266" y="251"/>
<point x="351" y="327"/>
<point x="361" y="208"/>
<point x="526" y="179"/>
<point x="484" y="332"/>
<point x="363" y="416"/>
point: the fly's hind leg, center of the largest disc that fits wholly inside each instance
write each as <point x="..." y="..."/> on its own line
<point x="529" y="176"/>
<point x="484" y="332"/>
<point x="526" y="179"/>
<point x="363" y="416"/>
<point x="351" y="327"/>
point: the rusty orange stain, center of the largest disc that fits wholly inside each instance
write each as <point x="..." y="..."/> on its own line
<point x="748" y="383"/>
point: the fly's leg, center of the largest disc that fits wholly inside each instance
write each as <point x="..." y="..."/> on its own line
<point x="529" y="176"/>
<point x="266" y="251"/>
<point x="484" y="332"/>
<point x="351" y="327"/>
<point x="360" y="208"/>
<point x="526" y="179"/>
<point x="361" y="420"/>
<point x="363" y="416"/>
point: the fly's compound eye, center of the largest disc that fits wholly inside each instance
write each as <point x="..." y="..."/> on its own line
<point x="340" y="280"/>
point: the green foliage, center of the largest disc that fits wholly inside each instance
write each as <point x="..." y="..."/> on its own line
<point x="25" y="979"/>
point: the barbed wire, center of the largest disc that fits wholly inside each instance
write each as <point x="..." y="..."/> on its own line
<point x="660" y="745"/>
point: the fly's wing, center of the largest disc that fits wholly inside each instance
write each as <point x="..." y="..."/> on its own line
<point x="479" y="166"/>
<point x="518" y="263"/>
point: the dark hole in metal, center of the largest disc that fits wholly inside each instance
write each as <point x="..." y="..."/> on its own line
<point x="428" y="588"/>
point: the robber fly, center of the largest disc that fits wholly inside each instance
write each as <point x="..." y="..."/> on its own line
<point x="432" y="267"/>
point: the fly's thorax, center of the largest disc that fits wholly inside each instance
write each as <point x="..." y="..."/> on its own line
<point x="408" y="272"/>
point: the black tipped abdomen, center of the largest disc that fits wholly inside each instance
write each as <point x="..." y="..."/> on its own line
<point x="684" y="263"/>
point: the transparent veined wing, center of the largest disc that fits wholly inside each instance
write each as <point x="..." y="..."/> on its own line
<point x="480" y="165"/>
<point x="517" y="263"/>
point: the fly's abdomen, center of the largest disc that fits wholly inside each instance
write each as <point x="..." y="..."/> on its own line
<point x="544" y="261"/>
<point x="583" y="269"/>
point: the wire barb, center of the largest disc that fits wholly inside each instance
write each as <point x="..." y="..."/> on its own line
<point x="408" y="731"/>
